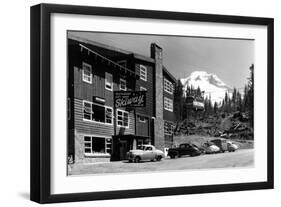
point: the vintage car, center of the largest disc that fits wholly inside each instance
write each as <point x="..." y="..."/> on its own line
<point x="211" y="148"/>
<point x="225" y="145"/>
<point x="221" y="143"/>
<point x="184" y="149"/>
<point x="145" y="152"/>
<point x="231" y="146"/>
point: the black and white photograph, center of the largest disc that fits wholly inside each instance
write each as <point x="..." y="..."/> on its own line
<point x="134" y="103"/>
<point x="140" y="103"/>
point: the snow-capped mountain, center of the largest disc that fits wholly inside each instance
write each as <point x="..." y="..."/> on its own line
<point x="209" y="83"/>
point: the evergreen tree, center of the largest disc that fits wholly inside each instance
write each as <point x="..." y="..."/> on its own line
<point x="239" y="102"/>
<point x="251" y="95"/>
<point x="226" y="103"/>
<point x="179" y="100"/>
<point x="234" y="100"/>
<point x="215" y="107"/>
<point x="210" y="107"/>
<point x="246" y="99"/>
<point x="222" y="105"/>
<point x="198" y="91"/>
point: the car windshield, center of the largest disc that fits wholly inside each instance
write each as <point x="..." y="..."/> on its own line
<point x="148" y="148"/>
<point x="195" y="146"/>
<point x="144" y="147"/>
<point x="141" y="147"/>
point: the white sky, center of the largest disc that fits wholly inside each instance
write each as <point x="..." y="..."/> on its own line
<point x="229" y="59"/>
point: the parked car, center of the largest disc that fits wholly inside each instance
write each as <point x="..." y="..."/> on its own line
<point x="210" y="148"/>
<point x="225" y="145"/>
<point x="231" y="146"/>
<point x="145" y="152"/>
<point x="221" y="143"/>
<point x="184" y="149"/>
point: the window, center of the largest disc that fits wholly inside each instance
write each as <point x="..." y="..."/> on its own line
<point x="182" y="146"/>
<point x="108" y="115"/>
<point x="108" y="81"/>
<point x="168" y="128"/>
<point x="88" y="144"/>
<point x="87" y="110"/>
<point x="143" y="89"/>
<point x="143" y="72"/>
<point x="87" y="73"/>
<point x="123" y="85"/>
<point x="168" y="104"/>
<point x="108" y="145"/>
<point x="148" y="149"/>
<point x="168" y="86"/>
<point x="122" y="118"/>
<point x="97" y="145"/>
<point x="97" y="113"/>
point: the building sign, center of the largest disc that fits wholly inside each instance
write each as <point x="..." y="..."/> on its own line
<point x="129" y="99"/>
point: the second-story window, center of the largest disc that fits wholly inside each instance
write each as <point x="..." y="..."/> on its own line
<point x="168" y="86"/>
<point x="143" y="72"/>
<point x="122" y="85"/>
<point x="108" y="81"/>
<point x="122" y="118"/>
<point x="87" y="73"/>
<point x="87" y="110"/>
<point x="168" y="104"/>
<point x="97" y="113"/>
<point x="108" y="115"/>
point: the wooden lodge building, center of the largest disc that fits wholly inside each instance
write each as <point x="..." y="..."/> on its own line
<point x="98" y="132"/>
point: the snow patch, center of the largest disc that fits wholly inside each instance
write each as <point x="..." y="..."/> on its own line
<point x="210" y="83"/>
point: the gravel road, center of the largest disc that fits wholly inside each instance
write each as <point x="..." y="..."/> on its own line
<point x="240" y="158"/>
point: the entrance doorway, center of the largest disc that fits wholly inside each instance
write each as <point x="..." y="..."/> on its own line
<point x="123" y="149"/>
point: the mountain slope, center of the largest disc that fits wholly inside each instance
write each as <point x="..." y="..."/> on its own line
<point x="211" y="84"/>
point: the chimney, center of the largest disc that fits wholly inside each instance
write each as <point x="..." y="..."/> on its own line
<point x="159" y="139"/>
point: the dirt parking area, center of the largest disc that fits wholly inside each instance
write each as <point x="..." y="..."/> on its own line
<point x="240" y="158"/>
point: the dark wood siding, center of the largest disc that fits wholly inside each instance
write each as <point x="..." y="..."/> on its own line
<point x="148" y="110"/>
<point x="94" y="128"/>
<point x="87" y="91"/>
<point x="142" y="128"/>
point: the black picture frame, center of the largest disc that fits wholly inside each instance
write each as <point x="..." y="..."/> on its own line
<point x="40" y="102"/>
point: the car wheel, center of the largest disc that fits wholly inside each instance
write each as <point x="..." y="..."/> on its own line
<point x="137" y="159"/>
<point x="159" y="158"/>
<point x="193" y="154"/>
